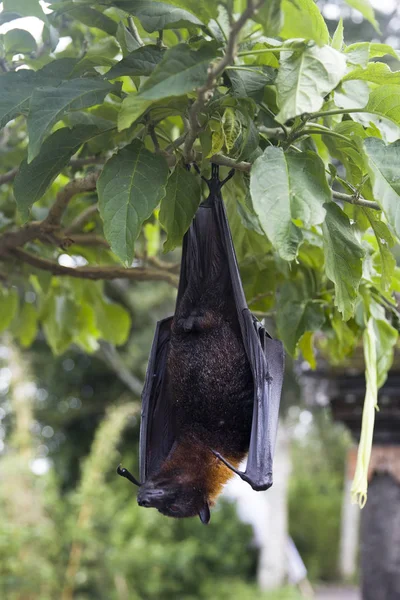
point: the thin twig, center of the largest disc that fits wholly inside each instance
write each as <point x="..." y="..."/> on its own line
<point x="76" y="163"/>
<point x="9" y="176"/>
<point x="81" y="219"/>
<point x="205" y="91"/>
<point x="76" y="186"/>
<point x="355" y="199"/>
<point x="95" y="273"/>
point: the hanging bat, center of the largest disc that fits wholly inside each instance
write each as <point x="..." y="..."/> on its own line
<point x="213" y="383"/>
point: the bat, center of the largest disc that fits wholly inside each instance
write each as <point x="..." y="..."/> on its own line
<point x="213" y="383"/>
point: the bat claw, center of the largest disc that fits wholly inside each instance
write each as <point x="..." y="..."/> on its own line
<point x="125" y="473"/>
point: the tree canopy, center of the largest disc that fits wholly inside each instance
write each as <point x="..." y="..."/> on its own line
<point x="102" y="119"/>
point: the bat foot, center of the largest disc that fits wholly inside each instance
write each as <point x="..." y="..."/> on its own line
<point x="125" y="473"/>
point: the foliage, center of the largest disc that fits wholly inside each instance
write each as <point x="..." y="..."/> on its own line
<point x="96" y="136"/>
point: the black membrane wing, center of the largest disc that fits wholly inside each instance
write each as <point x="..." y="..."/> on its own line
<point x="265" y="355"/>
<point x="157" y="433"/>
<point x="266" y="360"/>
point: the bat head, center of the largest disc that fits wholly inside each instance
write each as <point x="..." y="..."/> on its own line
<point x="174" y="499"/>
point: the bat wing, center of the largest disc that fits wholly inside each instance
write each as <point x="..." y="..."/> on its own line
<point x="266" y="358"/>
<point x="265" y="355"/>
<point x="157" y="429"/>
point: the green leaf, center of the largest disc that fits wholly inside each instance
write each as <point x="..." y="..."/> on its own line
<point x="304" y="79"/>
<point x="386" y="338"/>
<point x="49" y="104"/>
<point x="287" y="186"/>
<point x="25" y="8"/>
<point x="376" y="72"/>
<point x="296" y="315"/>
<point x="350" y="152"/>
<point x="385" y="241"/>
<point x="246" y="84"/>
<point x="157" y="15"/>
<point x="179" y="205"/>
<point x="19" y="41"/>
<point x="94" y="18"/>
<point x="205" y="10"/>
<point x="142" y="177"/>
<point x="306" y="347"/>
<point x="231" y="127"/>
<point x="181" y="71"/>
<point x="152" y="236"/>
<point x="361" y="52"/>
<point x="337" y="39"/>
<point x="131" y="109"/>
<point x="365" y="8"/>
<point x="126" y="40"/>
<point x="16" y="89"/>
<point x="33" y="179"/>
<point x="142" y="61"/>
<point x="114" y="323"/>
<point x="343" y="258"/>
<point x="8" y="306"/>
<point x="302" y="19"/>
<point x="26" y="325"/>
<point x="270" y="16"/>
<point x="352" y="94"/>
<point x="217" y="140"/>
<point x="383" y="163"/>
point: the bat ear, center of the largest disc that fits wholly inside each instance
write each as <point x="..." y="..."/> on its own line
<point x="204" y="514"/>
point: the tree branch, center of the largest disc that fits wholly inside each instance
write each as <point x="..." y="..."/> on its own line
<point x="7" y="177"/>
<point x="81" y="219"/>
<point x="76" y="186"/>
<point x="205" y="91"/>
<point x="93" y="272"/>
<point x="356" y="200"/>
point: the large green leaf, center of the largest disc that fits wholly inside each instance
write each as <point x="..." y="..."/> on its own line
<point x="383" y="162"/>
<point x="385" y="241"/>
<point x="25" y="8"/>
<point x="361" y="52"/>
<point x="343" y="258"/>
<point x="16" y="89"/>
<point x="284" y="187"/>
<point x="365" y="8"/>
<point x="376" y="72"/>
<point x="251" y="84"/>
<point x="385" y="102"/>
<point x="270" y="16"/>
<point x="131" y="109"/>
<point x="349" y="151"/>
<point x="19" y="41"/>
<point x="179" y="205"/>
<point x="180" y="71"/>
<point x="49" y="104"/>
<point x="157" y="15"/>
<point x="141" y="178"/>
<point x="94" y="18"/>
<point x="26" y="326"/>
<point x="142" y="61"/>
<point x="296" y="316"/>
<point x="33" y="179"/>
<point x="205" y="10"/>
<point x="304" y="79"/>
<point x="8" y="306"/>
<point x="302" y="19"/>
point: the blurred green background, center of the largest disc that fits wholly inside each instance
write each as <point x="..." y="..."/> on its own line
<point x="67" y="517"/>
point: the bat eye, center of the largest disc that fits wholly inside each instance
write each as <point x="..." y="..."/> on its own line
<point x="174" y="508"/>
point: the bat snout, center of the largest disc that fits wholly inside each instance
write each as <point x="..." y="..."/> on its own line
<point x="150" y="497"/>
